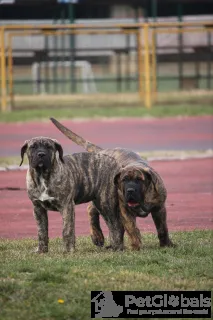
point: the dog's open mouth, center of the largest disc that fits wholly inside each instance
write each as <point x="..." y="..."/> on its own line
<point x="133" y="204"/>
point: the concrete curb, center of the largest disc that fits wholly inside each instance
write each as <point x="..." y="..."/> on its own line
<point x="14" y="168"/>
<point x="149" y="159"/>
<point x="181" y="158"/>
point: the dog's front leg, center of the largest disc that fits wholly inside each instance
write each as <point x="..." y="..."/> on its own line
<point x="129" y="223"/>
<point x="40" y="215"/>
<point x="159" y="218"/>
<point x="95" y="228"/>
<point x="68" y="215"/>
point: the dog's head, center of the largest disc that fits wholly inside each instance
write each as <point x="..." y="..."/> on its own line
<point x="41" y="152"/>
<point x="132" y="182"/>
<point x="139" y="185"/>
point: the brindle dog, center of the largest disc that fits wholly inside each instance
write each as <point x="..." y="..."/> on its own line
<point x="58" y="183"/>
<point x="140" y="188"/>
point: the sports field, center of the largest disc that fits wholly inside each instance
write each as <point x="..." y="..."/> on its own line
<point x="57" y="286"/>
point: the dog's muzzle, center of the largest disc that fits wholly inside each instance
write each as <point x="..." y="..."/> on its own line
<point x="132" y="198"/>
<point x="41" y="160"/>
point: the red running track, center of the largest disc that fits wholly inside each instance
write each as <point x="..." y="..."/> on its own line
<point x="189" y="204"/>
<point x="138" y="134"/>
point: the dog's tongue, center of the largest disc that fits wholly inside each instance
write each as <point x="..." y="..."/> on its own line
<point x="133" y="204"/>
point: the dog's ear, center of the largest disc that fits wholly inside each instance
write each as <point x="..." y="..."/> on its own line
<point x="148" y="177"/>
<point x="23" y="150"/>
<point x="116" y="178"/>
<point x="60" y="150"/>
<point x="155" y="190"/>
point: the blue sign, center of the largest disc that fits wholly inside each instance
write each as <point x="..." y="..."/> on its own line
<point x="7" y="1"/>
<point x="68" y="1"/>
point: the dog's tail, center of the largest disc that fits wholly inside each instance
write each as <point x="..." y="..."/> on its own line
<point x="88" y="146"/>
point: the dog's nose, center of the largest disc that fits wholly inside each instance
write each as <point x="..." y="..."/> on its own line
<point x="41" y="154"/>
<point x="130" y="190"/>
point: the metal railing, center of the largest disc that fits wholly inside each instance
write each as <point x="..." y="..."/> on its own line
<point x="144" y="54"/>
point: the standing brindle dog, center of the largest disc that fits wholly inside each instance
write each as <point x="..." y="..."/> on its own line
<point x="140" y="189"/>
<point x="57" y="183"/>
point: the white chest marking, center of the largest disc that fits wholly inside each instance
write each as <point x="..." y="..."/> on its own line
<point x="44" y="195"/>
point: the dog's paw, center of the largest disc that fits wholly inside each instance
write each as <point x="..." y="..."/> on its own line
<point x="169" y="244"/>
<point x="172" y="245"/>
<point x="108" y="247"/>
<point x="98" y="240"/>
<point x="115" y="248"/>
<point x="68" y="251"/>
<point x="135" y="247"/>
<point x="40" y="250"/>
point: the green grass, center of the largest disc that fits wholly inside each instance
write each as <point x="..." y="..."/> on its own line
<point x="31" y="284"/>
<point x="96" y="112"/>
<point x="41" y="107"/>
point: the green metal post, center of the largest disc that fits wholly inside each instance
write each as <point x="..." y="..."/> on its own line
<point x="209" y="61"/>
<point x="118" y="64"/>
<point x="136" y="41"/>
<point x="72" y="49"/>
<point x="63" y="56"/>
<point x="180" y="46"/>
<point x="154" y="10"/>
<point x="197" y="73"/>
<point x="145" y="10"/>
<point x="127" y="58"/>
<point x="55" y="59"/>
<point x="46" y="67"/>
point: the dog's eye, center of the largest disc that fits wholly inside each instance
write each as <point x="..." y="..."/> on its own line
<point x="33" y="146"/>
<point x="138" y="179"/>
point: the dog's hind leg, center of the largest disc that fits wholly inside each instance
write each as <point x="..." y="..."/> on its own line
<point x="116" y="230"/>
<point x="116" y="235"/>
<point x="95" y="228"/>
<point x="159" y="218"/>
<point x="112" y="219"/>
